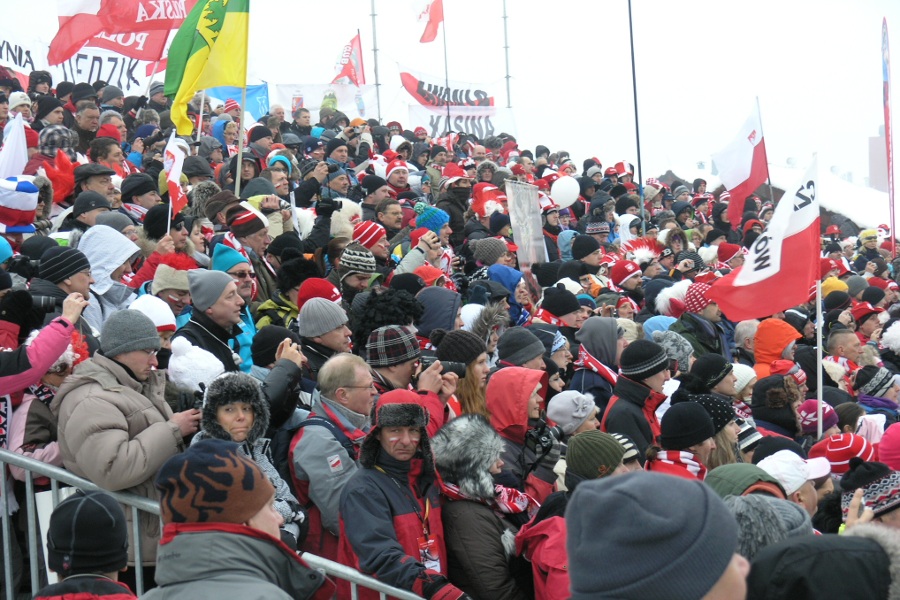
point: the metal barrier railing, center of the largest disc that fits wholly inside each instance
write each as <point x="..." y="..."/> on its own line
<point x="136" y="504"/>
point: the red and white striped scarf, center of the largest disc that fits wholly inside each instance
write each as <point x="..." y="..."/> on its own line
<point x="546" y="317"/>
<point x="683" y="459"/>
<point x="506" y="500"/>
<point x="587" y="361"/>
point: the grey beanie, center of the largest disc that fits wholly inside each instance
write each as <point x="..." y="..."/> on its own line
<point x="206" y="287"/>
<point x="517" y="346"/>
<point x="319" y="316"/>
<point x="676" y="347"/>
<point x="763" y="520"/>
<point x="127" y="331"/>
<point x="115" y="219"/>
<point x="855" y="284"/>
<point x="663" y="537"/>
<point x="489" y="250"/>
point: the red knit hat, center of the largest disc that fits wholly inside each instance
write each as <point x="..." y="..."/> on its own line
<point x="486" y="199"/>
<point x="889" y="447"/>
<point x="395" y="165"/>
<point x="231" y="105"/>
<point x="696" y="298"/>
<point x="624" y="270"/>
<point x="32" y="137"/>
<point x="415" y="235"/>
<point x="840" y="448"/>
<point x="368" y="233"/>
<point x="109" y="131"/>
<point x="316" y="287"/>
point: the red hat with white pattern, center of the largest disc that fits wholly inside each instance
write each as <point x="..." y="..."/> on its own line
<point x="696" y="298"/>
<point x="368" y="233"/>
<point x="728" y="251"/>
<point x="487" y="199"/>
<point x="396" y="165"/>
<point x="547" y="204"/>
<point x="624" y="270"/>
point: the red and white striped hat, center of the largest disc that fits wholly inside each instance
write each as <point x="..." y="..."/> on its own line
<point x="231" y="105"/>
<point x="368" y="233"/>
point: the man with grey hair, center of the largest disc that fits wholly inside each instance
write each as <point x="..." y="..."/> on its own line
<point x="115" y="427"/>
<point x="325" y="448"/>
<point x="744" y="333"/>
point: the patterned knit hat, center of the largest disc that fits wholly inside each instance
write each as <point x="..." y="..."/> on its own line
<point x="677" y="348"/>
<point x="873" y="381"/>
<point x="881" y="486"/>
<point x="749" y="436"/>
<point x="244" y="222"/>
<point x="643" y="359"/>
<point x="840" y="449"/>
<point x="430" y="217"/>
<point x="319" y="316"/>
<point x="631" y="450"/>
<point x="356" y="259"/>
<point x="809" y="416"/>
<point x="211" y="481"/>
<point x="696" y="298"/>
<point x="458" y="346"/>
<point x="720" y="411"/>
<point x="596" y="227"/>
<point x="367" y="233"/>
<point x="593" y="454"/>
<point x="391" y="345"/>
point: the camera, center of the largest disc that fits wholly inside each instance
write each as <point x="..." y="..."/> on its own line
<point x="45" y="304"/>
<point x="447" y="366"/>
<point x="333" y="168"/>
<point x="540" y="438"/>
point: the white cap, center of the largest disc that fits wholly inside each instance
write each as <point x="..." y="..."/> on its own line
<point x="792" y="471"/>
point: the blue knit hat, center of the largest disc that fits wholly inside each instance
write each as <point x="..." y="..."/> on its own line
<point x="224" y="257"/>
<point x="430" y="217"/>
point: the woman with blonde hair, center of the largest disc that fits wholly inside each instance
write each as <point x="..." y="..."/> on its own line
<point x="468" y="349"/>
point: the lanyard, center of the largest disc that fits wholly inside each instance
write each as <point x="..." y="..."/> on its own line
<point x="415" y="502"/>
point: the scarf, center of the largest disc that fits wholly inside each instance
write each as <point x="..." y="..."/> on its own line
<point x="742" y="409"/>
<point x="506" y="501"/>
<point x="43" y="392"/>
<point x="425" y="344"/>
<point x="546" y="317"/>
<point x="684" y="460"/>
<point x="587" y="361"/>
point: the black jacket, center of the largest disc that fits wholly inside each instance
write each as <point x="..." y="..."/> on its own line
<point x="202" y="332"/>
<point x="316" y="355"/>
<point x="51" y="291"/>
<point x="457" y="212"/>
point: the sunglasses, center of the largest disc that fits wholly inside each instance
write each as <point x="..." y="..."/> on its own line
<point x="178" y="226"/>
<point x="244" y="275"/>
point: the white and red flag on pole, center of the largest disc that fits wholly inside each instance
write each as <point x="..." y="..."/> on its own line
<point x="349" y="66"/>
<point x="742" y="165"/>
<point x="434" y="12"/>
<point x="783" y="262"/>
<point x="173" y="161"/>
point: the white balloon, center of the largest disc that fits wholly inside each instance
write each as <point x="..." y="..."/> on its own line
<point x="565" y="191"/>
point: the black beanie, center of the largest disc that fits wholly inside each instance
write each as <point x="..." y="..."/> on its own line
<point x="137" y="184"/>
<point x="862" y="473"/>
<point x="719" y="408"/>
<point x="266" y="342"/>
<point x="771" y="444"/>
<point x="584" y="245"/>
<point x="435" y="150"/>
<point x="333" y="145"/>
<point x="35" y="246"/>
<point x="60" y="263"/>
<point x="711" y="368"/>
<point x="458" y="346"/>
<point x="873" y="295"/>
<point x="714" y="234"/>
<point x="87" y="534"/>
<point x="156" y="221"/>
<point x="372" y="183"/>
<point x="643" y="359"/>
<point x="837" y="299"/>
<point x="559" y="301"/>
<point x="259" y="132"/>
<point x="408" y="282"/>
<point x="546" y="273"/>
<point x="684" y="425"/>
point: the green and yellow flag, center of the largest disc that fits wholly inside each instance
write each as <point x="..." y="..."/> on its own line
<point x="209" y="50"/>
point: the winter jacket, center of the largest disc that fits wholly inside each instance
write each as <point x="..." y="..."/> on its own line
<point x="265" y="280"/>
<point x="772" y="337"/>
<point x="441" y="306"/>
<point x="586" y="381"/>
<point x="381" y="520"/>
<point x="632" y="412"/>
<point x="316" y="356"/>
<point x="507" y="401"/>
<point x="225" y="560"/>
<point x="321" y="468"/>
<point x="116" y="432"/>
<point x="457" y="211"/>
<point x="543" y="543"/>
<point x="278" y="311"/>
<point x="703" y="335"/>
<point x="85" y="587"/>
<point x="25" y="365"/>
<point x="42" y="287"/>
<point x="203" y="332"/>
<point x="33" y="434"/>
<point x="107" y="250"/>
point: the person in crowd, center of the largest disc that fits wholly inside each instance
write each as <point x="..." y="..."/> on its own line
<point x="322" y="326"/>
<point x="686" y="442"/>
<point x="216" y="316"/>
<point x="110" y="254"/>
<point x="602" y="342"/>
<point x="212" y="496"/>
<point x="774" y="405"/>
<point x="466" y="348"/>
<point x="797" y="476"/>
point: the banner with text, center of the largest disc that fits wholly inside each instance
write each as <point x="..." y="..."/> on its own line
<point x="480" y="122"/>
<point x="351" y="100"/>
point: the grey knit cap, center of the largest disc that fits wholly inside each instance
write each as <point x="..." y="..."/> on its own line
<point x="517" y="346"/>
<point x="319" y="316"/>
<point x="489" y="250"/>
<point x="676" y="347"/>
<point x="115" y="219"/>
<point x="206" y="287"/>
<point x="663" y="537"/>
<point x="127" y="331"/>
<point x="763" y="520"/>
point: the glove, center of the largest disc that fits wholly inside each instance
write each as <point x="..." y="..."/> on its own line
<point x="141" y="103"/>
<point x="16" y="307"/>
<point x="550" y="459"/>
<point x="441" y="589"/>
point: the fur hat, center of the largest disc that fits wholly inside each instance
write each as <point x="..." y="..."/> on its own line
<point x="396" y="408"/>
<point x="190" y="366"/>
<point x="228" y="388"/>
<point x="464" y="451"/>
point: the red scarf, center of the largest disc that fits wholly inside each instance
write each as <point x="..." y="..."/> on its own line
<point x="671" y="461"/>
<point x="425" y="344"/>
<point x="509" y="501"/>
<point x="587" y="361"/>
<point x="546" y="317"/>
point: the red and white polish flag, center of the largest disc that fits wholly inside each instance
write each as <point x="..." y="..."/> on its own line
<point x="434" y="12"/>
<point x="782" y="263"/>
<point x="742" y="165"/>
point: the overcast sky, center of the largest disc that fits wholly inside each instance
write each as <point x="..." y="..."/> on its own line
<point x="815" y="66"/>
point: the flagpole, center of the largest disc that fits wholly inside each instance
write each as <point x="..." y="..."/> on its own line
<point x="506" y="53"/>
<point x="819" y="358"/>
<point x="637" y="129"/>
<point x="240" y="148"/>
<point x="768" y="176"/>
<point x="375" y="57"/>
<point x="446" y="71"/>
<point x="200" y="117"/>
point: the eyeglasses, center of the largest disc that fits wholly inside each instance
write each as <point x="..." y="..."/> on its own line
<point x="278" y="170"/>
<point x="244" y="275"/>
<point x="178" y="226"/>
<point x="150" y="353"/>
<point x="371" y="386"/>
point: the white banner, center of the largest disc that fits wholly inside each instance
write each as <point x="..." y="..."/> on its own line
<point x="525" y="219"/>
<point x="477" y="121"/>
<point x="351" y="100"/>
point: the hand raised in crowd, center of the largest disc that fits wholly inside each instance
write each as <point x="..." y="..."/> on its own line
<point x="166" y="245"/>
<point x="73" y="306"/>
<point x="137" y="146"/>
<point x="685" y="265"/>
<point x="855" y="516"/>
<point x="449" y="383"/>
<point x="846" y="318"/>
<point x="188" y="421"/>
<point x="607" y="310"/>
<point x="430" y="379"/>
<point x="291" y="351"/>
<point x="870" y="267"/>
<point x="428" y="241"/>
<point x="321" y="171"/>
<point x="271" y="201"/>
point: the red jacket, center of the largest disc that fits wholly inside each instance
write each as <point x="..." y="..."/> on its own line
<point x="544" y="545"/>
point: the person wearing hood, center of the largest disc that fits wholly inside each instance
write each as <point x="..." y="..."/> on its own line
<point x="686" y="442"/>
<point x="390" y="512"/>
<point x="877" y="393"/>
<point x="644" y="368"/>
<point x="512" y="280"/>
<point x="774" y="404"/>
<point x="515" y="396"/>
<point x="235" y="410"/>
<point x="480" y="518"/>
<point x="456" y="190"/>
<point x="110" y="254"/>
<point x="596" y="367"/>
<point x="700" y="323"/>
<point x="774" y="340"/>
<point x="442" y="308"/>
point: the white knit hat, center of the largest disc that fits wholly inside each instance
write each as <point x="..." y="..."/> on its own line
<point x="158" y="311"/>
<point x="191" y="365"/>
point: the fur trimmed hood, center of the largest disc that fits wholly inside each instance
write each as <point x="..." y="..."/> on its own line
<point x="234" y="387"/>
<point x="464" y="451"/>
<point x="491" y="316"/>
<point x="396" y="408"/>
<point x="889" y="540"/>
